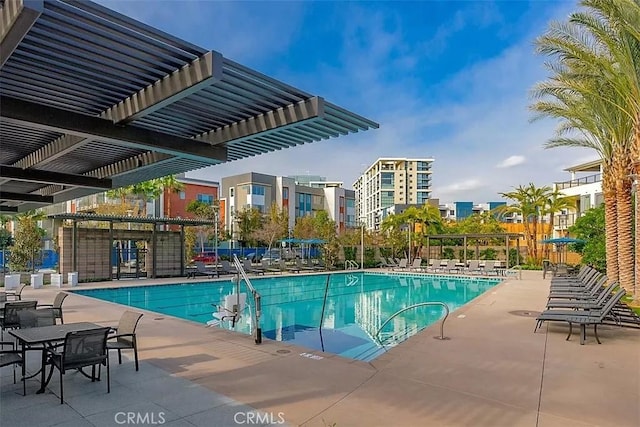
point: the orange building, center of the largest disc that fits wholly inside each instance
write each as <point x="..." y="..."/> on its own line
<point x="174" y="204"/>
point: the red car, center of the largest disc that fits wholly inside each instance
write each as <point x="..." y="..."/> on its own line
<point x="206" y="257"/>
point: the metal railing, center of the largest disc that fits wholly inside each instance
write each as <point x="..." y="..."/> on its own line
<point x="256" y="297"/>
<point x="420" y="304"/>
<point x="516" y="271"/>
<point x="580" y="181"/>
<point x="351" y="265"/>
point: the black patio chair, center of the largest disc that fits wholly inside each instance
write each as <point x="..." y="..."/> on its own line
<point x="10" y="318"/>
<point x="11" y="357"/>
<point x="57" y="305"/>
<point x="17" y="294"/>
<point x="81" y="349"/>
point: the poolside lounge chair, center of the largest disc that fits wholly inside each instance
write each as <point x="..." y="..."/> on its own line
<point x="125" y="335"/>
<point x="285" y="267"/>
<point x="303" y="267"/>
<point x="585" y="304"/>
<point x="416" y="265"/>
<point x="431" y="265"/>
<point x="489" y="267"/>
<point x="248" y="268"/>
<point x="17" y="294"/>
<point x="402" y="265"/>
<point x="577" y="292"/>
<point x="267" y="267"/>
<point x="226" y="268"/>
<point x="582" y="318"/>
<point x="576" y="281"/>
<point x="473" y="267"/>
<point x="231" y="310"/>
<point x="201" y="270"/>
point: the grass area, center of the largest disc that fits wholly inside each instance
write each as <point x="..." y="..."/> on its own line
<point x="627" y="300"/>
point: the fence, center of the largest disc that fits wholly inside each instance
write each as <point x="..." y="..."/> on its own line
<point x="45" y="259"/>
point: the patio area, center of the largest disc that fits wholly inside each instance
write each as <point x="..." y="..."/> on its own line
<point x="493" y="371"/>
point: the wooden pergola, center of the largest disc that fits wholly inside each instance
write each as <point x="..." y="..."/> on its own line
<point x="506" y="237"/>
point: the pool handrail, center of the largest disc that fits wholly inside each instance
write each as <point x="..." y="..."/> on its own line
<point x="255" y="294"/>
<point x="420" y="304"/>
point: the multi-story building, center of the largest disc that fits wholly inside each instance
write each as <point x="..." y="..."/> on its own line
<point x="260" y="191"/>
<point x="174" y="204"/>
<point x="458" y="211"/>
<point x="388" y="183"/>
<point x="586" y="186"/>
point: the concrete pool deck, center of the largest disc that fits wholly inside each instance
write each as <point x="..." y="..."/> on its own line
<point x="493" y="371"/>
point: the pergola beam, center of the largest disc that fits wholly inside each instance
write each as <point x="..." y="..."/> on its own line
<point x="16" y="19"/>
<point x="191" y="78"/>
<point x="292" y="115"/>
<point x="49" y="177"/>
<point x="8" y="209"/>
<point x="54" y="119"/>
<point x="21" y="197"/>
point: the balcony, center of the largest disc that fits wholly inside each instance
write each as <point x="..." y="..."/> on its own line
<point x="580" y="181"/>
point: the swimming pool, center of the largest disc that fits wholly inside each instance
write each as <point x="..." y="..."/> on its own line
<point x="294" y="308"/>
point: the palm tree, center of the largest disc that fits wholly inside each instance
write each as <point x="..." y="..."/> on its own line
<point x="530" y="203"/>
<point x="172" y="185"/>
<point x="594" y="90"/>
<point x="556" y="202"/>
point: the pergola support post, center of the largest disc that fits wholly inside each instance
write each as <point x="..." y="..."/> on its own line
<point x="111" y="250"/>
<point x="154" y="249"/>
<point x="182" y="250"/>
<point x="74" y="246"/>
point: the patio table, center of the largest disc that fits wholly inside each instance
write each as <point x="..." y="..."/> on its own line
<point x="46" y="335"/>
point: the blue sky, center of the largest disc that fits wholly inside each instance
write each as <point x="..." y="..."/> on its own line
<point x="447" y="79"/>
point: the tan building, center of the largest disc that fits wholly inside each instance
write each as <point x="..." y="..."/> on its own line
<point x="390" y="182"/>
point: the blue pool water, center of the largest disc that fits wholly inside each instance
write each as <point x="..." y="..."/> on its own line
<point x="357" y="304"/>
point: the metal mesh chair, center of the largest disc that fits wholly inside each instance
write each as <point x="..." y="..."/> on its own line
<point x="17" y="294"/>
<point x="10" y="319"/>
<point x="81" y="349"/>
<point x="57" y="305"/>
<point x="125" y="335"/>
<point x="11" y="357"/>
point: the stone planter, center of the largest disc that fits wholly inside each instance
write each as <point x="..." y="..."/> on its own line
<point x="57" y="280"/>
<point x="11" y="281"/>
<point x="72" y="279"/>
<point x="37" y="280"/>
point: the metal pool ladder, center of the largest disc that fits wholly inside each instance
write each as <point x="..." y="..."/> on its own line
<point x="420" y="304"/>
<point x="256" y="296"/>
<point x="351" y="265"/>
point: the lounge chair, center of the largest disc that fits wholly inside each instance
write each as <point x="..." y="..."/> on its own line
<point x="267" y="267"/>
<point x="285" y="267"/>
<point x="201" y="270"/>
<point x="416" y="265"/>
<point x="577" y="281"/>
<point x="581" y="317"/>
<point x="231" y="310"/>
<point x="248" y="268"/>
<point x="226" y="268"/>
<point x="577" y="292"/>
<point x="402" y="265"/>
<point x="473" y="267"/>
<point x="123" y="337"/>
<point x="303" y="267"/>
<point x="593" y="302"/>
<point x="489" y="267"/>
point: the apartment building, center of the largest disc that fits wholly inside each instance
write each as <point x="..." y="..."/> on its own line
<point x="585" y="184"/>
<point x="255" y="190"/>
<point x="174" y="204"/>
<point x="458" y="211"/>
<point x="389" y="183"/>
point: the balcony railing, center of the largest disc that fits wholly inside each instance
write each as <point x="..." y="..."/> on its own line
<point x="580" y="181"/>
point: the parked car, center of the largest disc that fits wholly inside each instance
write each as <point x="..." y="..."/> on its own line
<point x="206" y="257"/>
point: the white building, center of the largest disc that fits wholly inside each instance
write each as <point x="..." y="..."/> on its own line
<point x="390" y="182"/>
<point x="585" y="185"/>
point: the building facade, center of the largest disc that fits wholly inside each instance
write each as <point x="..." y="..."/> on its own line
<point x="255" y="190"/>
<point x="389" y="182"/>
<point x="585" y="185"/>
<point x="457" y="211"/>
<point x="174" y="204"/>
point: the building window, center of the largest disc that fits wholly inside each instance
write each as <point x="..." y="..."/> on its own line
<point x="205" y="198"/>
<point x="231" y="192"/>
<point x="285" y="193"/>
<point x="257" y="190"/>
<point x="183" y="195"/>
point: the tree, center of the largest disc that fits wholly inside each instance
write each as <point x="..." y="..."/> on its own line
<point x="27" y="241"/>
<point x="590" y="227"/>
<point x="595" y="90"/>
<point x="530" y="203"/>
<point x="172" y="185"/>
<point x="201" y="210"/>
<point x="249" y="220"/>
<point x="274" y="228"/>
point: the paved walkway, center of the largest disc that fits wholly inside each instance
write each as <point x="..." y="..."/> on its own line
<point x="493" y="371"/>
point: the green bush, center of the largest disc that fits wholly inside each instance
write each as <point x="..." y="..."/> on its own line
<point x="488" y="253"/>
<point x="514" y="257"/>
<point x="448" y="253"/>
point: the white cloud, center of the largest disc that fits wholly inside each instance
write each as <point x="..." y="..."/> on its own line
<point x="511" y="161"/>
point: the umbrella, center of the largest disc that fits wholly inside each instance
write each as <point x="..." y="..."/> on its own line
<point x="562" y="242"/>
